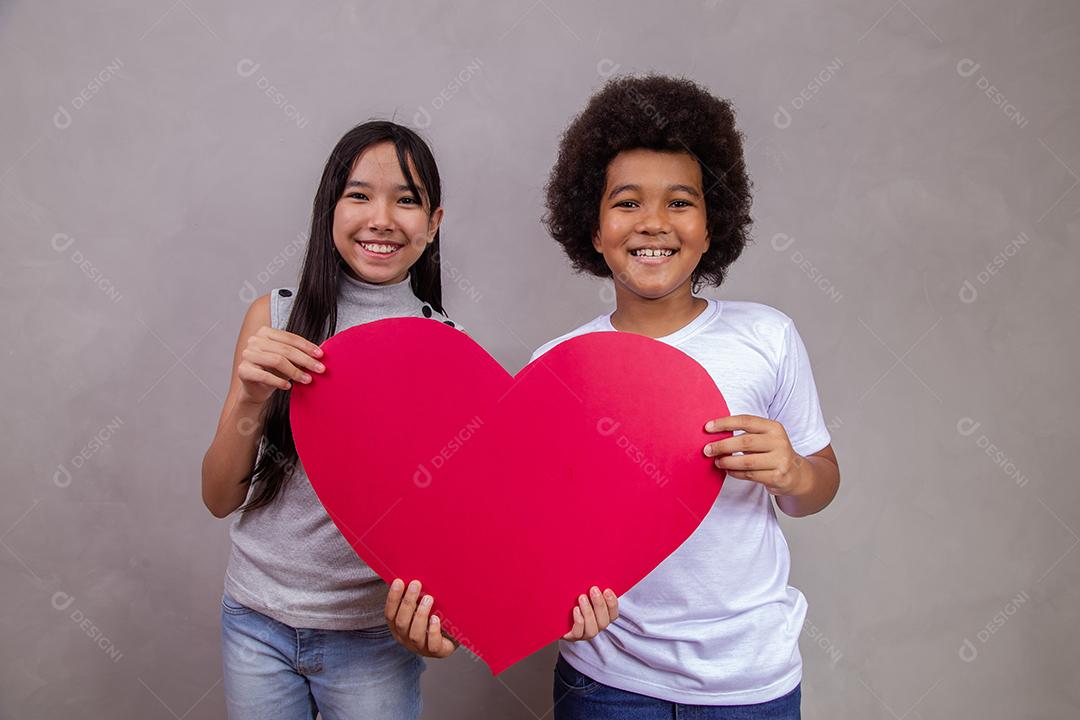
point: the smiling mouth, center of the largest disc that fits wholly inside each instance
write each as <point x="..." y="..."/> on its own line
<point x="653" y="256"/>
<point x="381" y="250"/>
<point x="653" y="252"/>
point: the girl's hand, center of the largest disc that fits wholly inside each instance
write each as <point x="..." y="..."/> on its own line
<point x="272" y="360"/>
<point x="767" y="458"/>
<point x="410" y="623"/>
<point x="592" y="614"/>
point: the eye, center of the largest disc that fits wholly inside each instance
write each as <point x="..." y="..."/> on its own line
<point x="626" y="204"/>
<point x="682" y="203"/>
<point x="357" y="196"/>
<point x="409" y="200"/>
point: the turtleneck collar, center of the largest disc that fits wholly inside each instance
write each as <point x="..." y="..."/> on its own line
<point x="391" y="299"/>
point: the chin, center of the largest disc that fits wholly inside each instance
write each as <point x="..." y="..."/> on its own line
<point x="383" y="275"/>
<point x="656" y="294"/>
<point x="654" y="290"/>
<point x="373" y="276"/>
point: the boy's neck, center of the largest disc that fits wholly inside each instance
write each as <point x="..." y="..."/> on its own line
<point x="655" y="317"/>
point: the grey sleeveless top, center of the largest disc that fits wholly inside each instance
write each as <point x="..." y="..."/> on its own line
<point x="288" y="559"/>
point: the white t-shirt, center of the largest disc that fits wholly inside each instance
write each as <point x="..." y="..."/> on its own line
<point x="716" y="623"/>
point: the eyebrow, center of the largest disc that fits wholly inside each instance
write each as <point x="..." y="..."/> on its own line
<point x="365" y="184"/>
<point x="686" y="189"/>
<point x="637" y="188"/>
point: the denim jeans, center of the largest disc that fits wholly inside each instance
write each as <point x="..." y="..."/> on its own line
<point x="578" y="697"/>
<point x="277" y="672"/>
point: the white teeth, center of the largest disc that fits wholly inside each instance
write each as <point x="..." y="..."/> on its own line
<point x="652" y="252"/>
<point x="379" y="248"/>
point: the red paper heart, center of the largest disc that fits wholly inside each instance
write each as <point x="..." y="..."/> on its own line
<point x="508" y="497"/>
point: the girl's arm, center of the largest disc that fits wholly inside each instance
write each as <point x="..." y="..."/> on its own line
<point x="266" y="359"/>
<point x="231" y="456"/>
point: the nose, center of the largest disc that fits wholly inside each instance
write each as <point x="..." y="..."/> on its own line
<point x="653" y="222"/>
<point x="381" y="220"/>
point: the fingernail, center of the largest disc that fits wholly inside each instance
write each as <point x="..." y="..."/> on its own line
<point x="414" y="586"/>
<point x="318" y="352"/>
<point x="716" y="462"/>
<point x="595" y="591"/>
<point x="320" y="367"/>
<point x="434" y="620"/>
<point x="397" y="584"/>
<point x="709" y="426"/>
<point x="583" y="600"/>
<point x="426" y="601"/>
<point x="609" y="594"/>
<point x="708" y="450"/>
<point x="306" y="378"/>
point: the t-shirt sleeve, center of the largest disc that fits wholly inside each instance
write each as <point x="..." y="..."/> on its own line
<point x="795" y="403"/>
<point x="538" y="352"/>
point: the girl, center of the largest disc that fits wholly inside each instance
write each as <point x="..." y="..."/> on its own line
<point x="650" y="189"/>
<point x="303" y="627"/>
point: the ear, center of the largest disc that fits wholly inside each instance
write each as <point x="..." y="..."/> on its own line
<point x="596" y="242"/>
<point x="433" y="224"/>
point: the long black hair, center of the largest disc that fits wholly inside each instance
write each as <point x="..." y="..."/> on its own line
<point x="314" y="311"/>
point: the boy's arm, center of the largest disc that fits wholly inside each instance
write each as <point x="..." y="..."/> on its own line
<point x="819" y="479"/>
<point x="802" y="485"/>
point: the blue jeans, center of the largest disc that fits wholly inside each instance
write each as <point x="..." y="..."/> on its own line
<point x="578" y="697"/>
<point x="277" y="672"/>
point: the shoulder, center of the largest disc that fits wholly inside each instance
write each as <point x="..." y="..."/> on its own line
<point x="757" y="328"/>
<point x="754" y="313"/>
<point x="280" y="302"/>
<point x="765" y="325"/>
<point x="257" y="315"/>
<point x="428" y="311"/>
<point x="259" y="309"/>
<point x="595" y="325"/>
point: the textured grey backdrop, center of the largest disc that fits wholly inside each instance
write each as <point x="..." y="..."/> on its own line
<point x="917" y="214"/>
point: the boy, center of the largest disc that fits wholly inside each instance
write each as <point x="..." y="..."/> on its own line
<point x="650" y="189"/>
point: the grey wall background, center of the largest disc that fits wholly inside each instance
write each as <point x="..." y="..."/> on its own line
<point x="921" y="232"/>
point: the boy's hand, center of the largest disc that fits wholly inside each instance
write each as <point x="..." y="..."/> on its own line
<point x="592" y="614"/>
<point x="407" y="614"/>
<point x="767" y="458"/>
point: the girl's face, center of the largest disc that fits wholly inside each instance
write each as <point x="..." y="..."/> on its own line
<point x="653" y="228"/>
<point x="380" y="227"/>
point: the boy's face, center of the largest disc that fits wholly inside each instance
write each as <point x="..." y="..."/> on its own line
<point x="653" y="228"/>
